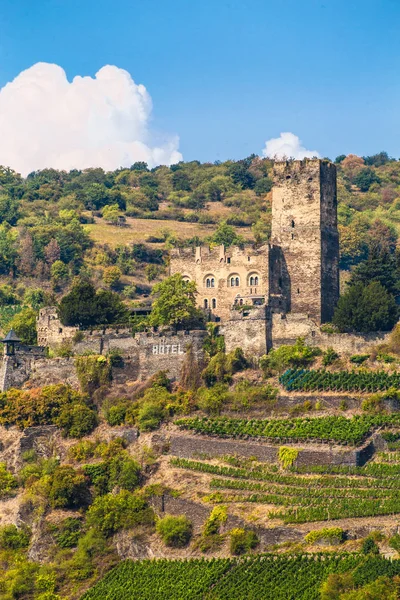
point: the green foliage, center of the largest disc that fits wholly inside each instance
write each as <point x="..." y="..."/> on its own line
<point x="77" y="420"/>
<point x="369" y="546"/>
<point x="365" y="178"/>
<point x="175" y="303"/>
<point x="329" y="356"/>
<point x="338" y="381"/>
<point x="93" y="372"/>
<point x="85" y="307"/>
<point x="242" y="540"/>
<point x="359" y="359"/>
<point x="287" y="456"/>
<point x="67" y="488"/>
<point x="44" y="406"/>
<point x="8" y="482"/>
<point x="174" y="531"/>
<point x="212" y="400"/>
<point x="24" y="325"/>
<point x="113" y="512"/>
<point x="13" y="538"/>
<point x="225" y="235"/>
<point x="331" y="535"/>
<point x="298" y="355"/>
<point x="69" y="532"/>
<point x="366" y="308"/>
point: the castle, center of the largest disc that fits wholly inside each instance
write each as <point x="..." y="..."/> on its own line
<point x="294" y="278"/>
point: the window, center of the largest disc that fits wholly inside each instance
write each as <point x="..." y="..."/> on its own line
<point x="253" y="280"/>
<point x="228" y="260"/>
<point x="298" y="290"/>
<point x="210" y="282"/>
<point x="205" y="303"/>
<point x="241" y="301"/>
<point x="248" y="259"/>
<point x="213" y="303"/>
<point x="186" y="278"/>
<point x="292" y="223"/>
<point x="234" y="281"/>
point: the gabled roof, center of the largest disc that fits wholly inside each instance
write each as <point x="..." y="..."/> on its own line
<point x="11" y="337"/>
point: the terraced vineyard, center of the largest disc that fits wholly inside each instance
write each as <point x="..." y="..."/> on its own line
<point x="262" y="577"/>
<point x="307" y="497"/>
<point x="303" y="380"/>
<point x="337" y="429"/>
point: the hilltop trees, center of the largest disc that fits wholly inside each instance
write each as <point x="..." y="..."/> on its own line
<point x="175" y="303"/>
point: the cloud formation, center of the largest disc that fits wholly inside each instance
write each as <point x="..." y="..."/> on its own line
<point x="287" y="145"/>
<point x="47" y="121"/>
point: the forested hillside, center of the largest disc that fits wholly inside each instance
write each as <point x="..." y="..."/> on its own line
<point x="114" y="228"/>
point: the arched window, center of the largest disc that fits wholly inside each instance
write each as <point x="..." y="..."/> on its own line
<point x="213" y="303"/>
<point x="233" y="280"/>
<point x="186" y="278"/>
<point x="253" y="280"/>
<point x="205" y="303"/>
<point x="210" y="281"/>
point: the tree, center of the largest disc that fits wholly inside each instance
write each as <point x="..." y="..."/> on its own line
<point x="83" y="306"/>
<point x="26" y="255"/>
<point x="365" y="308"/>
<point x="111" y="213"/>
<point x="263" y="186"/>
<point x="24" y="325"/>
<point x="226" y="235"/>
<point x="112" y="276"/>
<point x="52" y="251"/>
<point x="59" y="272"/>
<point x="175" y="303"/>
<point x="9" y="210"/>
<point x="181" y="181"/>
<point x="352" y="165"/>
<point x="365" y="178"/>
<point x="380" y="266"/>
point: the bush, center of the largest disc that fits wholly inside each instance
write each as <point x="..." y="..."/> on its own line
<point x="369" y="546"/>
<point x="8" y="482"/>
<point x="150" y="416"/>
<point x="298" y="355"/>
<point x="358" y="359"/>
<point x="330" y="535"/>
<point x="76" y="420"/>
<point x="115" y="415"/>
<point x="110" y="513"/>
<point x="329" y="356"/>
<point x="242" y="540"/>
<point x="69" y="532"/>
<point x="12" y="538"/>
<point x="287" y="456"/>
<point x="174" y="531"/>
<point x="67" y="488"/>
<point x="93" y="372"/>
<point x="211" y="400"/>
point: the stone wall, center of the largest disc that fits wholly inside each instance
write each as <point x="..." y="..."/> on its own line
<point x="195" y="446"/>
<point x="160" y="352"/>
<point x="285" y="329"/>
<point x="212" y="269"/>
<point x="247" y="330"/>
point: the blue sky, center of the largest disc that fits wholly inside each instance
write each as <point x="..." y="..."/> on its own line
<point x="228" y="75"/>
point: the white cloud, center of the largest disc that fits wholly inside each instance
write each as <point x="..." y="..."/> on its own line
<point x="287" y="145"/>
<point x="46" y="121"/>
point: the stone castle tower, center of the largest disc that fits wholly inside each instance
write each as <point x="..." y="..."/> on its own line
<point x="304" y="254"/>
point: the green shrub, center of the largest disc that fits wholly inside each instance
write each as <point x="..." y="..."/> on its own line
<point x="216" y="519"/>
<point x="115" y="415"/>
<point x="82" y="450"/>
<point x="150" y="416"/>
<point x="93" y="372"/>
<point x="211" y="400"/>
<point x="8" y="482"/>
<point x="298" y="355"/>
<point x="369" y="546"/>
<point x="236" y="361"/>
<point x="358" y="359"/>
<point x="174" y="531"/>
<point x="329" y="356"/>
<point x="113" y="512"/>
<point x="67" y="488"/>
<point x="242" y="540"/>
<point x="394" y="542"/>
<point x="76" y="421"/>
<point x="287" y="456"/>
<point x="69" y="532"/>
<point x="12" y="538"/>
<point x="330" y="535"/>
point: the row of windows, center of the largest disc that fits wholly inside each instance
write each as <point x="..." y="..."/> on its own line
<point x="233" y="281"/>
<point x="207" y="303"/>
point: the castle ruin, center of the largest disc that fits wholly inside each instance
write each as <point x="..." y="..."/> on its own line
<point x="294" y="278"/>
